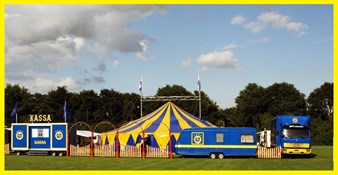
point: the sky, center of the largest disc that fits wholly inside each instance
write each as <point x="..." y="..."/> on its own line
<point x="99" y="47"/>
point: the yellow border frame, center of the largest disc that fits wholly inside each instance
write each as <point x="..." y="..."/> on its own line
<point x="276" y="2"/>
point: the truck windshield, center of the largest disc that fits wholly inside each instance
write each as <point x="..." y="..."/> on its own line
<point x="296" y="133"/>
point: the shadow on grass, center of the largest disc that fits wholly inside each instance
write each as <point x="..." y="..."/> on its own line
<point x="295" y="156"/>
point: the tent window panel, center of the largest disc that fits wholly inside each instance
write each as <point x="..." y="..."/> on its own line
<point x="219" y="137"/>
<point x="247" y="138"/>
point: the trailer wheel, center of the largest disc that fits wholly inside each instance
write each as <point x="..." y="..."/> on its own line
<point x="213" y="155"/>
<point x="60" y="153"/>
<point x="220" y="156"/>
<point x="53" y="153"/>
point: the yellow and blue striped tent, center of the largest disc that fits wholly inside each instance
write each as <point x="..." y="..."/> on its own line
<point x="156" y="126"/>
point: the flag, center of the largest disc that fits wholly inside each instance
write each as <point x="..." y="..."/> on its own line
<point x="140" y="87"/>
<point x="14" y="112"/>
<point x="66" y="113"/>
<point x="199" y="82"/>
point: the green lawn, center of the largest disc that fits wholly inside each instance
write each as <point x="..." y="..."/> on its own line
<point x="322" y="160"/>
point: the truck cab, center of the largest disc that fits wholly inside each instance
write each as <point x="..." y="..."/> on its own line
<point x="292" y="133"/>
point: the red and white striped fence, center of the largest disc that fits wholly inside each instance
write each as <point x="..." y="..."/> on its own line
<point x="269" y="153"/>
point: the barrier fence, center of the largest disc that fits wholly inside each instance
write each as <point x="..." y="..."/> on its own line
<point x="7" y="148"/>
<point x="269" y="153"/>
<point x="105" y="150"/>
<point x="157" y="152"/>
<point x="125" y="151"/>
<point x="130" y="151"/>
<point x="80" y="150"/>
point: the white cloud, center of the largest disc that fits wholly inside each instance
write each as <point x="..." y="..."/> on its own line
<point x="225" y="60"/>
<point x="116" y="63"/>
<point x="230" y="46"/>
<point x="43" y="39"/>
<point x="69" y="83"/>
<point x="36" y="83"/>
<point x="142" y="54"/>
<point x="273" y="19"/>
<point x="186" y="63"/>
<point x="237" y="20"/>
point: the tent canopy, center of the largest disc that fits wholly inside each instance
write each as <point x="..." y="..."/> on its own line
<point x="168" y="118"/>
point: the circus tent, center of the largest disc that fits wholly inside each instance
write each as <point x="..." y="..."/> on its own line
<point x="156" y="127"/>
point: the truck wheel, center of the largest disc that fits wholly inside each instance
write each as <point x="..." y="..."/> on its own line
<point x="53" y="153"/>
<point x="60" y="154"/>
<point x="213" y="155"/>
<point x="220" y="156"/>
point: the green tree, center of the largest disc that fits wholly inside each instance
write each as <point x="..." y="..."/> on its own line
<point x="320" y="102"/>
<point x="250" y="106"/>
<point x="16" y="93"/>
<point x="320" y="108"/>
<point x="56" y="101"/>
<point x="284" y="99"/>
<point x="86" y="103"/>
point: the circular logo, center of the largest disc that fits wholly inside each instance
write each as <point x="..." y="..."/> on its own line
<point x="19" y="135"/>
<point x="58" y="135"/>
<point x="295" y="120"/>
<point x="197" y="139"/>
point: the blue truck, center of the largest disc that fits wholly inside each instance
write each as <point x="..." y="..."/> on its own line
<point x="217" y="142"/>
<point x="48" y="138"/>
<point x="292" y="133"/>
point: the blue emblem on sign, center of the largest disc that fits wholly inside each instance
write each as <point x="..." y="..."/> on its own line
<point x="197" y="138"/>
<point x="59" y="135"/>
<point x="19" y="134"/>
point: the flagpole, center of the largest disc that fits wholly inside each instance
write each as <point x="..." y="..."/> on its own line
<point x="16" y="118"/>
<point x="199" y="96"/>
<point x="65" y="111"/>
<point x="141" y="95"/>
<point x="141" y="103"/>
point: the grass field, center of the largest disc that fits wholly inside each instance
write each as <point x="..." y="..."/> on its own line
<point x="322" y="160"/>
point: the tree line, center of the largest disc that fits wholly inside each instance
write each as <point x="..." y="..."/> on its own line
<point x="255" y="106"/>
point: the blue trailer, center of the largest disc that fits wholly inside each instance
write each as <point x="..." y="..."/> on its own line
<point x="49" y="138"/>
<point x="217" y="142"/>
<point x="292" y="133"/>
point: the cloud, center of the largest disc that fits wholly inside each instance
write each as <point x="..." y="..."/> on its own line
<point x="186" y="63"/>
<point x="43" y="39"/>
<point x="69" y="83"/>
<point x="273" y="19"/>
<point x="40" y="84"/>
<point x="230" y="46"/>
<point x="143" y="53"/>
<point x="98" y="79"/>
<point x="323" y="41"/>
<point x="237" y="20"/>
<point x="116" y="63"/>
<point x="101" y="67"/>
<point x="224" y="60"/>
